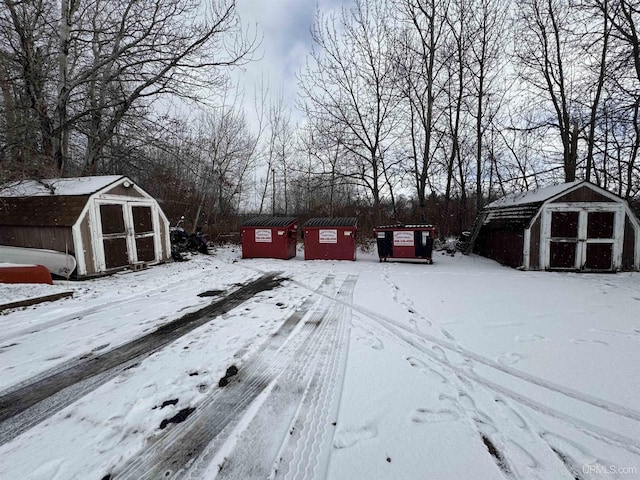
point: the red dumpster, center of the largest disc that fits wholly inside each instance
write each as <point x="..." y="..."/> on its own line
<point x="405" y="241"/>
<point x="269" y="237"/>
<point x="330" y="238"/>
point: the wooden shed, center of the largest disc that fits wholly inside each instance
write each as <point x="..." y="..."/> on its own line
<point x="106" y="222"/>
<point x="575" y="226"/>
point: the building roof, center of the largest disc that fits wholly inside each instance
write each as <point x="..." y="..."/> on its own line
<point x="266" y="221"/>
<point x="331" y="222"/>
<point x="56" y="202"/>
<point x="58" y="186"/>
<point x="536" y="196"/>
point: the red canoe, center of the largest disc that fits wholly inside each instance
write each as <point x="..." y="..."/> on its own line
<point x="12" y="273"/>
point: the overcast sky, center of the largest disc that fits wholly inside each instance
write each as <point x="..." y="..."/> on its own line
<point x="283" y="26"/>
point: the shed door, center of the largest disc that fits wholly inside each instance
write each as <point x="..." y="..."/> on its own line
<point x="582" y="240"/>
<point x="598" y="244"/>
<point x="143" y="233"/>
<point x="114" y="235"/>
<point x="563" y="244"/>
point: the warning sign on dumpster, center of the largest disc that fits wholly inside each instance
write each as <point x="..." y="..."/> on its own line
<point x="263" y="235"/>
<point x="328" y="236"/>
<point x="403" y="239"/>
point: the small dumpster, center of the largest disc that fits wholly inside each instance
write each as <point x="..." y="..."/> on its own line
<point x="405" y="241"/>
<point x="330" y="238"/>
<point x="269" y="237"/>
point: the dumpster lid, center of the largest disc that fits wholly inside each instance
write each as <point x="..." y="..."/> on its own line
<point x="331" y="222"/>
<point x="401" y="226"/>
<point x="266" y="221"/>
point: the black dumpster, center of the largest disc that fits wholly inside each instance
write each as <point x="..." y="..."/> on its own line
<point x="405" y="241"/>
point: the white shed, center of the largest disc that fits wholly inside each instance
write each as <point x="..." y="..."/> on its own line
<point x="107" y="222"/>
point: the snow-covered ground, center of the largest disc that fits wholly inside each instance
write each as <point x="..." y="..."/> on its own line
<point x="346" y="370"/>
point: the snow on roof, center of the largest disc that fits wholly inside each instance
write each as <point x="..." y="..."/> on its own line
<point x="58" y="186"/>
<point x="538" y="195"/>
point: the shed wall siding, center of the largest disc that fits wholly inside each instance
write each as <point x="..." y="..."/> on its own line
<point x="120" y="191"/>
<point x="503" y="246"/>
<point x="583" y="194"/>
<point x="51" y="238"/>
<point x="534" y="246"/>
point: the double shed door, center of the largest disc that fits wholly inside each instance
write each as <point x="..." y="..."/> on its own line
<point x="583" y="239"/>
<point x="128" y="233"/>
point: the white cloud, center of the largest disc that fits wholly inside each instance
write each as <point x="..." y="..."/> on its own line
<point x="284" y="26"/>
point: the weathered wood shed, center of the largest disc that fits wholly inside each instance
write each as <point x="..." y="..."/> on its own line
<point x="573" y="226"/>
<point x="106" y="222"/>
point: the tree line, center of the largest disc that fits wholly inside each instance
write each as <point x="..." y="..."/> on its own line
<point x="413" y="110"/>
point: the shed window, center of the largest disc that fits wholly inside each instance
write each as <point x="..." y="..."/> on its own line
<point x="112" y="219"/>
<point x="142" y="221"/>
<point x="600" y="225"/>
<point x="564" y="224"/>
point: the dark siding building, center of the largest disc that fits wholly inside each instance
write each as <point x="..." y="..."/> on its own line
<point x="575" y="226"/>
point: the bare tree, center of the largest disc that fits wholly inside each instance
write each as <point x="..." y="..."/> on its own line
<point x="351" y="80"/>
<point x="623" y="18"/>
<point x="487" y="70"/>
<point x="88" y="64"/>
<point x="421" y="64"/>
<point x="546" y="50"/>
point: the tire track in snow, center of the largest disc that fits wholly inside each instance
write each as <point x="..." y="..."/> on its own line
<point x="599" y="433"/>
<point x="419" y="341"/>
<point x="24" y="407"/>
<point x="308" y="455"/>
<point x="191" y="445"/>
<point x="611" y="407"/>
<point x="519" y="452"/>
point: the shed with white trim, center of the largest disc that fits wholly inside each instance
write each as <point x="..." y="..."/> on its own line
<point x="574" y="226"/>
<point x="107" y="222"/>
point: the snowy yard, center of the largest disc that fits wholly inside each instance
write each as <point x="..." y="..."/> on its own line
<point x="340" y="370"/>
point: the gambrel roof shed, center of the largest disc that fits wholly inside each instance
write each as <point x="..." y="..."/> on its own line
<point x="106" y="222"/>
<point x="572" y="226"/>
